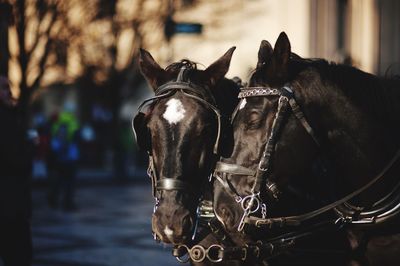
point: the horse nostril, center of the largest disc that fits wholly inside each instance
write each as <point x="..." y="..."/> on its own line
<point x="227" y="216"/>
<point x="187" y="223"/>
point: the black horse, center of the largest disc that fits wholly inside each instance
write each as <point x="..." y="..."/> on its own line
<point x="315" y="165"/>
<point x="184" y="131"/>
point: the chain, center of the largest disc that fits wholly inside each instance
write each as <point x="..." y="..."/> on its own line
<point x="264" y="211"/>
<point x="258" y="92"/>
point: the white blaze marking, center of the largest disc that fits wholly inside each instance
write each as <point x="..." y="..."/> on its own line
<point x="168" y="232"/>
<point x="242" y="104"/>
<point x="174" y="112"/>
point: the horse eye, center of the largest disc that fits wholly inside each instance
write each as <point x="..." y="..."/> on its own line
<point x="254" y="120"/>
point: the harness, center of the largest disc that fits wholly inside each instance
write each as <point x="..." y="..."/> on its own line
<point x="383" y="210"/>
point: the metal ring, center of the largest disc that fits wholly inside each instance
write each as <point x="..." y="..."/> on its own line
<point x="246" y="201"/>
<point x="197" y="253"/>
<point x="218" y="249"/>
<point x="183" y="259"/>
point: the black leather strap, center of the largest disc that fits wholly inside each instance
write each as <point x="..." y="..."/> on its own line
<point x="171" y="184"/>
<point x="233" y="169"/>
<point x="265" y="161"/>
<point x="299" y="219"/>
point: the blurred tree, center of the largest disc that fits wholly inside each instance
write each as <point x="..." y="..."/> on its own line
<point x="69" y="37"/>
<point x="94" y="43"/>
<point x="128" y="26"/>
<point x="39" y="28"/>
<point x="5" y="21"/>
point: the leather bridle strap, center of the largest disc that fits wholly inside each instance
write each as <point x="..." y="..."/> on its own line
<point x="171" y="184"/>
<point x="300" y="116"/>
<point x="229" y="188"/>
<point x="298" y="219"/>
<point x="233" y="169"/>
<point x="265" y="161"/>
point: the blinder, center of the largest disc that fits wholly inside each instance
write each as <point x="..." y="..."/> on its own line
<point x="141" y="132"/>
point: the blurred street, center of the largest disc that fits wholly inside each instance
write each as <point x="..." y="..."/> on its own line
<point x="111" y="227"/>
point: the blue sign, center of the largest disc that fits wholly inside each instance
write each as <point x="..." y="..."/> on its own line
<point x="171" y="27"/>
<point x="192" y="28"/>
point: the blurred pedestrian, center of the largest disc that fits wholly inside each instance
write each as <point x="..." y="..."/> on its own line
<point x="65" y="149"/>
<point x="41" y="125"/>
<point x="15" y="201"/>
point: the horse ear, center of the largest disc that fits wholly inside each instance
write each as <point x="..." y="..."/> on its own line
<point x="150" y="69"/>
<point x="264" y="53"/>
<point x="281" y="55"/>
<point x="219" y="68"/>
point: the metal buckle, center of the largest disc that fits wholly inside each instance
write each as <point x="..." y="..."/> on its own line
<point x="205" y="210"/>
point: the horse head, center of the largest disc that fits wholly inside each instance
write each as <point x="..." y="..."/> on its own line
<point x="183" y="133"/>
<point x="260" y="115"/>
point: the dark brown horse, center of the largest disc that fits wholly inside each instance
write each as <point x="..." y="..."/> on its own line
<point x="314" y="173"/>
<point x="184" y="132"/>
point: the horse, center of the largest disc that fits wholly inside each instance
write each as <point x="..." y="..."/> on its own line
<point x="313" y="176"/>
<point x="184" y="131"/>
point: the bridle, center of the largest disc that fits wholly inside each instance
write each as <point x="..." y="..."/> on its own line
<point x="253" y="203"/>
<point x="201" y="94"/>
<point x="383" y="209"/>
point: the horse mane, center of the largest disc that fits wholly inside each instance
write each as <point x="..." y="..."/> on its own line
<point x="175" y="67"/>
<point x="378" y="96"/>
